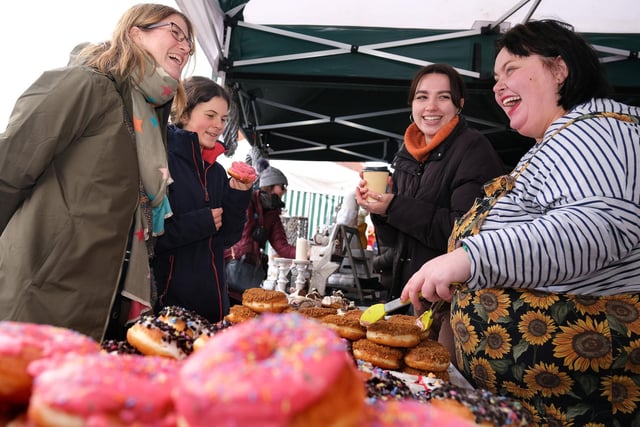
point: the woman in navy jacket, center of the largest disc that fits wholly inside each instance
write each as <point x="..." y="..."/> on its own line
<point x="208" y="207"/>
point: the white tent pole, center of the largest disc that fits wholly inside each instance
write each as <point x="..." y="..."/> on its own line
<point x="513" y="10"/>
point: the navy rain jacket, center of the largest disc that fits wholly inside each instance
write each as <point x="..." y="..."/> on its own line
<point x="189" y="263"/>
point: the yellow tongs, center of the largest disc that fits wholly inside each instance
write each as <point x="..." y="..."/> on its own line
<point x="379" y="311"/>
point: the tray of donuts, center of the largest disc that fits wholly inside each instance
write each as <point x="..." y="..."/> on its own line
<point x="394" y="343"/>
<point x="276" y="371"/>
<point x="176" y="332"/>
<point x="285" y="367"/>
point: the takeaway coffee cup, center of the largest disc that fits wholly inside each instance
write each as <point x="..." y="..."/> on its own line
<point x="376" y="177"/>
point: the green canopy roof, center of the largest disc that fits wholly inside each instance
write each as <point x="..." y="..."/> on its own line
<point x="312" y="92"/>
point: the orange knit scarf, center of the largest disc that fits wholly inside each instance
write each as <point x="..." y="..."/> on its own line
<point x="414" y="139"/>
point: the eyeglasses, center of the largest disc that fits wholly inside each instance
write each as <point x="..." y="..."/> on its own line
<point x="176" y="32"/>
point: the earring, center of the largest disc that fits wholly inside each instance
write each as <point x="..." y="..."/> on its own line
<point x="410" y="118"/>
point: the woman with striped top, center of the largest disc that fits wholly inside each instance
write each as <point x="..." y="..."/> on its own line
<point x="548" y="262"/>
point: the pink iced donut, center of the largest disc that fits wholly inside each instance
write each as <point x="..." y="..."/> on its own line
<point x="22" y="343"/>
<point x="103" y="390"/>
<point x="271" y="371"/>
<point x="242" y="172"/>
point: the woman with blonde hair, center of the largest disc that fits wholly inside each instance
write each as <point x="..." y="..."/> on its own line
<point x="83" y="177"/>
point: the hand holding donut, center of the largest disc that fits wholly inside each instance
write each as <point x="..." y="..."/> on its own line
<point x="242" y="176"/>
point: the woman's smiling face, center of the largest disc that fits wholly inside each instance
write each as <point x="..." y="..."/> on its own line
<point x="527" y="90"/>
<point x="208" y="120"/>
<point x="432" y="105"/>
<point x="161" y="43"/>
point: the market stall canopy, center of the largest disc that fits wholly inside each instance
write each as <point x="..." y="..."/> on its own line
<point x="328" y="80"/>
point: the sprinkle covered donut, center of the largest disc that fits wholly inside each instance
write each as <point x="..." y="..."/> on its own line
<point x="273" y="371"/>
<point x="103" y="390"/>
<point x="184" y="320"/>
<point x="22" y="343"/>
<point x="481" y="406"/>
<point x="154" y="337"/>
<point x="393" y="413"/>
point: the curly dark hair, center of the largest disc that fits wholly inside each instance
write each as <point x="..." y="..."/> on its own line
<point x="549" y="38"/>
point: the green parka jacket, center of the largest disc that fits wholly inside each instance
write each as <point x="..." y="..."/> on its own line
<point x="68" y="192"/>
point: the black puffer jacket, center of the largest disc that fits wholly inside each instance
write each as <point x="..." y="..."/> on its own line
<point x="189" y="263"/>
<point x="431" y="195"/>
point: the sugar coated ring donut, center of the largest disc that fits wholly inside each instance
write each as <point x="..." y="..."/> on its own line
<point x="263" y="300"/>
<point x="154" y="337"/>
<point x="355" y="313"/>
<point x="274" y="370"/>
<point x="103" y="389"/>
<point x="347" y="327"/>
<point x="317" y="312"/>
<point x="428" y="355"/>
<point x="379" y="355"/>
<point x="242" y="172"/>
<point x="412" y="320"/>
<point x="239" y="313"/>
<point x="21" y="343"/>
<point x="394" y="334"/>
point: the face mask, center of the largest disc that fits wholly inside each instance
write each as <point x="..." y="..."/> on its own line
<point x="210" y="155"/>
<point x="270" y="201"/>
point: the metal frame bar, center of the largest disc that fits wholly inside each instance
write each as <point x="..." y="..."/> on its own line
<point x="344" y="48"/>
<point x="249" y="104"/>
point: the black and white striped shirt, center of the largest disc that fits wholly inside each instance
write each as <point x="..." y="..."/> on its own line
<point x="572" y="222"/>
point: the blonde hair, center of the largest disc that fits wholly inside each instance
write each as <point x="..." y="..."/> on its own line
<point x="121" y="56"/>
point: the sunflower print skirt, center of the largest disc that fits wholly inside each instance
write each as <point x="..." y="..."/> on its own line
<point x="571" y="360"/>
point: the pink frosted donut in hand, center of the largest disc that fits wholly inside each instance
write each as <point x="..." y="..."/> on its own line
<point x="22" y="343"/>
<point x="243" y="172"/>
<point x="103" y="390"/>
<point x="271" y="371"/>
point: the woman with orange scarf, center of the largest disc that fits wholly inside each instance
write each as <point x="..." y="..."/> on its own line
<point x="437" y="174"/>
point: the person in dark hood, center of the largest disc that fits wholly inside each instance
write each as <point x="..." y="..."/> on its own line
<point x="208" y="207"/>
